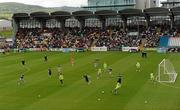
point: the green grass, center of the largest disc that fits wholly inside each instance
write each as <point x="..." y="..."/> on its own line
<point x="76" y="94"/>
<point x="7" y="33"/>
<point x="6" y="16"/>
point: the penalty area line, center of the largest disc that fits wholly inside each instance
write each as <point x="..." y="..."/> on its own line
<point x="170" y="86"/>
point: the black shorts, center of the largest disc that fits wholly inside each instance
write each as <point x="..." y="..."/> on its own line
<point x="144" y="54"/>
<point x="87" y="80"/>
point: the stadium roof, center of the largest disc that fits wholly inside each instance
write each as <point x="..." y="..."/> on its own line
<point x="106" y="13"/>
<point x="39" y="14"/>
<point x="131" y="12"/>
<point x="20" y="15"/>
<point x="83" y="13"/>
<point x="60" y="14"/>
<point x="175" y="11"/>
<point x="156" y="11"/>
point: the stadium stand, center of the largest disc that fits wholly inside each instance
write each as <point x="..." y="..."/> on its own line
<point x="85" y="29"/>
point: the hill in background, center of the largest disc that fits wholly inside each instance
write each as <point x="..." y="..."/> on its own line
<point x="7" y="9"/>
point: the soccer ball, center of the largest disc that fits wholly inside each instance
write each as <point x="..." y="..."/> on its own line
<point x="102" y="92"/>
<point x="99" y="99"/>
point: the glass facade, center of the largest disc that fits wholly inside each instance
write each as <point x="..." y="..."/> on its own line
<point x="170" y="3"/>
<point x="94" y="5"/>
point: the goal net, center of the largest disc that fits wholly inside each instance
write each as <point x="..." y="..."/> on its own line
<point x="166" y="72"/>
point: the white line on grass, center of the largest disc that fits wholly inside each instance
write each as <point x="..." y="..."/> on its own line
<point x="170" y="86"/>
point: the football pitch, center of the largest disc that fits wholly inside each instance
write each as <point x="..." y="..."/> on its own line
<point x="39" y="92"/>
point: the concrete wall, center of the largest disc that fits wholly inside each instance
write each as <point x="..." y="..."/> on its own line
<point x="142" y="4"/>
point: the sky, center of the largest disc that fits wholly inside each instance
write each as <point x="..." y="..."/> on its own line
<point x="52" y="3"/>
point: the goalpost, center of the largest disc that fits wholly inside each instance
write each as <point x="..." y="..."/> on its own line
<point x="166" y="72"/>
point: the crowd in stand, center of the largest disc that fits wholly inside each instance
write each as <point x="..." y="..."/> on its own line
<point x="54" y="38"/>
<point x="85" y="38"/>
<point x="4" y="44"/>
